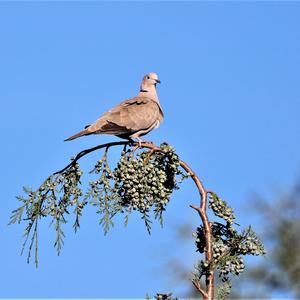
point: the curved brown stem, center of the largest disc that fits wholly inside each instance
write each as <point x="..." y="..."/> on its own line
<point x="201" y="209"/>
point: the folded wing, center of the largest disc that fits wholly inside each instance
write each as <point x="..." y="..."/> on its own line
<point x="131" y="116"/>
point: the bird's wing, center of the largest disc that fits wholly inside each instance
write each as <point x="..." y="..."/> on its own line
<point x="130" y="116"/>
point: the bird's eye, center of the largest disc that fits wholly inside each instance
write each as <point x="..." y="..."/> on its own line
<point x="148" y="77"/>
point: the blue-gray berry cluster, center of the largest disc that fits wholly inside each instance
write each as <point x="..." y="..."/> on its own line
<point x="233" y="265"/>
<point x="228" y="246"/>
<point x="146" y="180"/>
<point x="221" y="208"/>
<point x="250" y="243"/>
<point x="70" y="180"/>
<point x="143" y="183"/>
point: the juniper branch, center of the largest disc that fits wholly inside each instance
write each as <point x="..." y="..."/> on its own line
<point x="141" y="180"/>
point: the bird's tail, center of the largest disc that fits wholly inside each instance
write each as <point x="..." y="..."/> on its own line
<point x="77" y="135"/>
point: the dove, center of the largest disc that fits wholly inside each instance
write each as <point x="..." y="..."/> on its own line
<point x="131" y="118"/>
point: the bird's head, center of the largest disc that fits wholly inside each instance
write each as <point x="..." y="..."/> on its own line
<point x="149" y="80"/>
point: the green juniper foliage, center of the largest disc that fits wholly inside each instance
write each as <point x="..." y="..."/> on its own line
<point x="164" y="296"/>
<point x="53" y="198"/>
<point x="228" y="246"/>
<point x="160" y="296"/>
<point x="142" y="181"/>
<point x="221" y="208"/>
<point x="223" y="290"/>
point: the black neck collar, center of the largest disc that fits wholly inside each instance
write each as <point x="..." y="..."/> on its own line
<point x="143" y="91"/>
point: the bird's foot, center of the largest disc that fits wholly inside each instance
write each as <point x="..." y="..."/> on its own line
<point x="140" y="141"/>
<point x="139" y="144"/>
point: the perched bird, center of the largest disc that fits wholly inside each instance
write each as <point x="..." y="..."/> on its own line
<point x="132" y="118"/>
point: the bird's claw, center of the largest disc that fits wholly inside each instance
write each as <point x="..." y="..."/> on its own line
<point x="140" y="141"/>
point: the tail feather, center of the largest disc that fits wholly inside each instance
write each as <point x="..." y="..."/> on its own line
<point x="77" y="135"/>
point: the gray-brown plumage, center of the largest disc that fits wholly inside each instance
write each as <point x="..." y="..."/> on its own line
<point x="131" y="118"/>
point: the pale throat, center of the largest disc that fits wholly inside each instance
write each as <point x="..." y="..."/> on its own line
<point x="149" y="92"/>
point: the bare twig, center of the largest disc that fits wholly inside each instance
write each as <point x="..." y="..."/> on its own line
<point x="199" y="289"/>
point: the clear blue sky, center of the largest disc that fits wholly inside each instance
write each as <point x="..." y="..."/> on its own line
<point x="231" y="95"/>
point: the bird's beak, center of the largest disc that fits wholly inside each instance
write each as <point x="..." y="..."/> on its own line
<point x="157" y="81"/>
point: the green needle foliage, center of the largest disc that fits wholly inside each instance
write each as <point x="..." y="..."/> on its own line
<point x="228" y="246"/>
<point x="53" y="199"/>
<point x="142" y="181"/>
